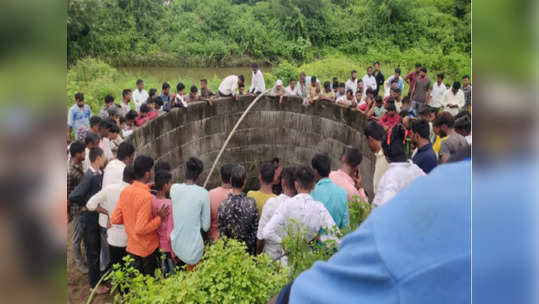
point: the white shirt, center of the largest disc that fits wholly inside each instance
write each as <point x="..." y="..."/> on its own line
<point x="380" y="168"/>
<point x="437" y="94"/>
<point x="273" y="249"/>
<point x="140" y="97"/>
<point x="257" y="82"/>
<point x="114" y="173"/>
<point x="351" y="85"/>
<point x="453" y="99"/>
<point x="106" y="145"/>
<point x="107" y="199"/>
<point x="86" y="163"/>
<point x="368" y="82"/>
<point x="396" y="178"/>
<point x="310" y="214"/>
<point x="124" y="109"/>
<point x="292" y="92"/>
<point x="229" y="85"/>
<point x="180" y="99"/>
<point x="343" y="100"/>
<point x="469" y="139"/>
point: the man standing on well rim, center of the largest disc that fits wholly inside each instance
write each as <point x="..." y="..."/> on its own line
<point x="257" y="81"/>
<point x="379" y="77"/>
<point x="421" y="95"/>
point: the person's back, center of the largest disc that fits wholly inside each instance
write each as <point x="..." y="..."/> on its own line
<point x="238" y="219"/>
<point x="414" y="250"/>
<point x="191" y="213"/>
<point x="335" y="199"/>
<point x="217" y="196"/>
<point x="452" y="144"/>
<point x="265" y="177"/>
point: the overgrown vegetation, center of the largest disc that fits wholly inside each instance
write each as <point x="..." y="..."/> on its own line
<point x="228" y="274"/>
<point x="232" y="32"/>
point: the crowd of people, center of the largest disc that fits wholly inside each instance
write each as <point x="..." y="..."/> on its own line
<point x="121" y="204"/>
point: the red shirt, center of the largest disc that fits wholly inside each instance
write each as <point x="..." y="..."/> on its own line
<point x="389" y="121"/>
<point x="412" y="76"/>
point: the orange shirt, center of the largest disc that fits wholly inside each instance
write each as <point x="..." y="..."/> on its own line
<point x="134" y="211"/>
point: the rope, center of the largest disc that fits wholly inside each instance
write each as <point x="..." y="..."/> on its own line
<point x="230" y="136"/>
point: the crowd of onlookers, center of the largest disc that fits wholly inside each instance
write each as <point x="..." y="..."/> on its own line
<point x="123" y="205"/>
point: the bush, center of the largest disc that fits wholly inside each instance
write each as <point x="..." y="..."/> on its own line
<point x="226" y="274"/>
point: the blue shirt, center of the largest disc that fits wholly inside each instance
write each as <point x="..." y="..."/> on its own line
<point x="335" y="199"/>
<point x="78" y="119"/>
<point x="425" y="158"/>
<point x="191" y="213"/>
<point x="415" y="249"/>
<point x="166" y="102"/>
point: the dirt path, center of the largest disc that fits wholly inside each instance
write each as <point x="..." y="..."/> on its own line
<point x="77" y="282"/>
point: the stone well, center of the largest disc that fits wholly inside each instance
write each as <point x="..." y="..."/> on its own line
<point x="290" y="131"/>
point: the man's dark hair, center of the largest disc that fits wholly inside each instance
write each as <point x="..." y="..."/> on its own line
<point x="463" y="124"/>
<point x="254" y="65"/>
<point x="126" y="92"/>
<point x="114" y="128"/>
<point x="313" y="79"/>
<point x="142" y="165"/>
<point x="377" y="98"/>
<point x="131" y="115"/>
<point x="404" y="113"/>
<point x="79" y="96"/>
<point x="466" y="76"/>
<point x="194" y="89"/>
<point x="267" y="173"/>
<point x="352" y="157"/>
<point x="369" y="91"/>
<point x="417" y="65"/>
<point x="125" y="150"/>
<point x="95" y="153"/>
<point x="421" y="127"/>
<point x="129" y="174"/>
<point x="305" y="177"/>
<point x="456" y="85"/>
<point x="122" y="120"/>
<point x="180" y="86"/>
<point x="327" y="84"/>
<point x="94" y="121"/>
<point x="463" y="114"/>
<point x="193" y="168"/>
<point x="396" y="90"/>
<point x="341" y="85"/>
<point x="165" y="86"/>
<point x="444" y="118"/>
<point x="76" y="148"/>
<point x="144" y="108"/>
<point x="159" y="101"/>
<point x="395" y="150"/>
<point x="353" y="71"/>
<point x="292" y="79"/>
<point x="391" y="106"/>
<point x="150" y="100"/>
<point x="139" y="81"/>
<point x="204" y="80"/>
<point x="425" y="111"/>
<point x="374" y="130"/>
<point x="237" y="176"/>
<point x="376" y="62"/>
<point x="390" y="100"/>
<point x="152" y="92"/>
<point x="406" y="99"/>
<point x="226" y="172"/>
<point x="162" y="165"/>
<point x="369" y="67"/>
<point x="398" y="70"/>
<point x="113" y="111"/>
<point x="109" y="98"/>
<point x="275" y="159"/>
<point x="349" y="91"/>
<point x="322" y="164"/>
<point x="242" y="85"/>
<point x="423" y="69"/>
<point x="91" y="137"/>
<point x="161" y="179"/>
<point x="105" y="125"/>
<point x="289" y="177"/>
<point x="441" y="76"/>
<point x="240" y="77"/>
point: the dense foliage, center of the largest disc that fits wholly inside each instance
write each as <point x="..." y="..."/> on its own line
<point x="228" y="274"/>
<point x="229" y="32"/>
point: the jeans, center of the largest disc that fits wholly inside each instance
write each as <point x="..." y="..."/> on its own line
<point x="76" y="238"/>
<point x="417" y="106"/>
<point x="104" y="256"/>
<point x="116" y="255"/>
<point x="93" y="245"/>
<point x="147" y="265"/>
<point x="169" y="264"/>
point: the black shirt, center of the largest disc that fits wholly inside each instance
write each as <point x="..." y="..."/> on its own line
<point x="379" y="81"/>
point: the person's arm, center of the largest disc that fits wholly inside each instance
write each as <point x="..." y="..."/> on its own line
<point x="205" y="215"/>
<point x="78" y="194"/>
<point x="144" y="221"/>
<point x="264" y="218"/>
<point x="97" y="199"/>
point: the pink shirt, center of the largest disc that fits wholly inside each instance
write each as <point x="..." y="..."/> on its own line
<point x="217" y="195"/>
<point x="340" y="178"/>
<point x="166" y="226"/>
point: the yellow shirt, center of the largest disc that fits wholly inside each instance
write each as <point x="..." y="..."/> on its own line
<point x="260" y="198"/>
<point x="438" y="143"/>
